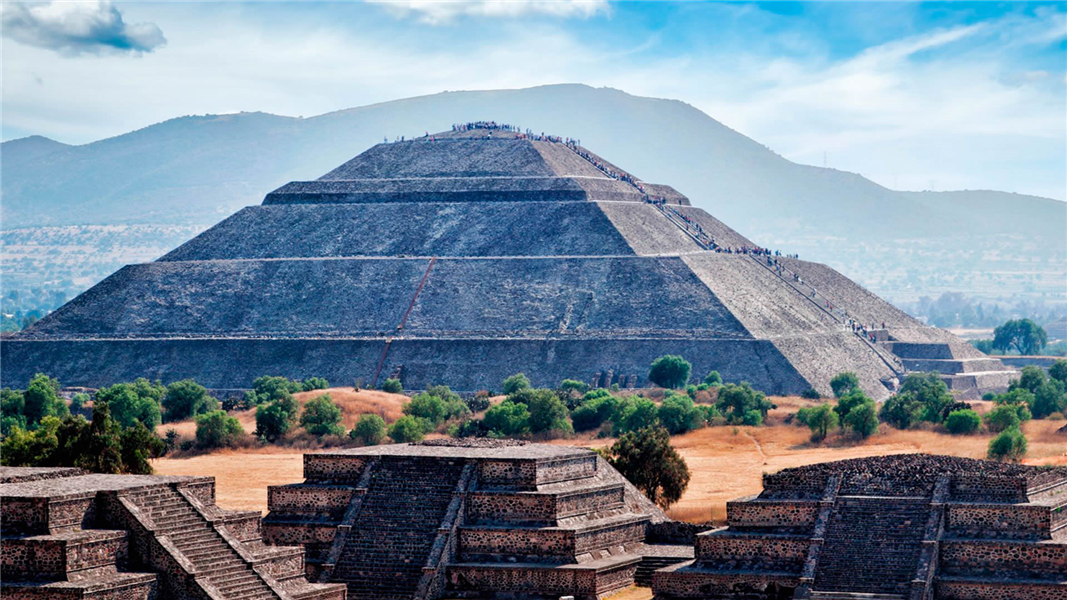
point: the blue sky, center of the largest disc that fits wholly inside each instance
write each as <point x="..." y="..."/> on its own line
<point x="913" y="95"/>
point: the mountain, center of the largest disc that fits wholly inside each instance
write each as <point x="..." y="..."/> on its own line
<point x="195" y="170"/>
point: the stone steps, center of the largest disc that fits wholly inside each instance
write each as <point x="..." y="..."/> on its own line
<point x="854" y="596"/>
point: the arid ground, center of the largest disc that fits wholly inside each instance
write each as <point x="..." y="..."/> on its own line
<point x="726" y="462"/>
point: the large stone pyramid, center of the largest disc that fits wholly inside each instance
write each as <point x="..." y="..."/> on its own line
<point x="466" y="256"/>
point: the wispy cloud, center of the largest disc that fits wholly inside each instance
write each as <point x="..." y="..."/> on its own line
<point x="439" y="12"/>
<point x="72" y="28"/>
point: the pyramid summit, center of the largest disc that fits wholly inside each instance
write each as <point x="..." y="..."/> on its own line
<point x="462" y="257"/>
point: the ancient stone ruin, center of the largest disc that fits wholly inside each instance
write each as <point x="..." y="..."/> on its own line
<point x="467" y="518"/>
<point x="68" y="534"/>
<point x="906" y="527"/>
<point x="464" y="257"/>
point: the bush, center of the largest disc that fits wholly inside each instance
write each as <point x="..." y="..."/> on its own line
<point x="137" y="402"/>
<point x="185" y="399"/>
<point x="902" y="411"/>
<point x="268" y="389"/>
<point x="437" y="407"/>
<point x="1049" y="398"/>
<point x="314" y="383"/>
<point x="137" y="446"/>
<point x="633" y="414"/>
<point x="12" y="410"/>
<point x="393" y="386"/>
<point x="369" y="430"/>
<point x="515" y="383"/>
<point x="647" y="459"/>
<point x="736" y="401"/>
<point x="670" y="371"/>
<point x="216" y="429"/>
<point x="547" y="412"/>
<point x="844" y="383"/>
<point x="1002" y="418"/>
<point x="862" y="419"/>
<point x="479" y="402"/>
<point x="407" y="429"/>
<point x="1058" y="371"/>
<point x="678" y="414"/>
<point x="849" y="401"/>
<point x="962" y="422"/>
<point x="41" y="399"/>
<point x="820" y="419"/>
<point x="321" y="417"/>
<point x="78" y="400"/>
<point x="713" y="379"/>
<point x="923" y="397"/>
<point x="507" y="419"/>
<point x="811" y="394"/>
<point x="274" y="419"/>
<point x="1010" y="445"/>
<point x="572" y="385"/>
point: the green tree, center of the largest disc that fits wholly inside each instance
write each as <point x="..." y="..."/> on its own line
<point x="547" y="413"/>
<point x="597" y="407"/>
<point x="507" y="419"/>
<point x="321" y="417"/>
<point x="12" y="410"/>
<point x="22" y="448"/>
<point x="216" y="429"/>
<point x="572" y="385"/>
<point x="713" y="379"/>
<point x="78" y="400"/>
<point x="850" y="400"/>
<point x="393" y="386"/>
<point x="314" y="383"/>
<point x="1010" y="445"/>
<point x="632" y="414"/>
<point x="270" y="388"/>
<point x="862" y="419"/>
<point x="41" y="399"/>
<point x="820" y="419"/>
<point x="515" y="383"/>
<point x="962" y="422"/>
<point x="844" y="383"/>
<point x="1058" y="370"/>
<point x="1004" y="417"/>
<point x="185" y="399"/>
<point x="369" y="430"/>
<point x="136" y="445"/>
<point x="407" y="430"/>
<point x="903" y="410"/>
<point x="647" y="459"/>
<point x="274" y="419"/>
<point x="102" y="446"/>
<point x="1050" y="398"/>
<point x="137" y="402"/>
<point x="1023" y="335"/>
<point x="679" y="414"/>
<point x="737" y="400"/>
<point x="923" y="397"/>
<point x="670" y="371"/>
<point x="1030" y="379"/>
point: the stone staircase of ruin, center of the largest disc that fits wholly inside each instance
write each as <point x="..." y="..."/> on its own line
<point x="214" y="560"/>
<point x="872" y="545"/>
<point x="388" y="546"/>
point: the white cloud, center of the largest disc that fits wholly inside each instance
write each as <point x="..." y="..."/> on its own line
<point x="72" y="28"/>
<point x="439" y="12"/>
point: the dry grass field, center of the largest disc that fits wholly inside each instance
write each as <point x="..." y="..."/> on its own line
<point x="726" y="462"/>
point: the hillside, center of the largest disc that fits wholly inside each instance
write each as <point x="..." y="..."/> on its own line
<point x="195" y="170"/>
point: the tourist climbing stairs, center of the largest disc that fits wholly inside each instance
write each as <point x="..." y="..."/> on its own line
<point x="872" y="546"/>
<point x="214" y="560"/>
<point x="403" y="508"/>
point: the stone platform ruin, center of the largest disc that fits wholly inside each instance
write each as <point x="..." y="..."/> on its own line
<point x="464" y="257"/>
<point x="466" y="518"/>
<point x="69" y="535"/>
<point x="905" y="527"/>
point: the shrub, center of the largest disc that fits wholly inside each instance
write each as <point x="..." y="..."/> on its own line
<point x="507" y="419"/>
<point x="862" y="419"/>
<point x="713" y="379"/>
<point x="960" y="422"/>
<point x="137" y="402"/>
<point x="41" y="399"/>
<point x="844" y="383"/>
<point x="647" y="459"/>
<point x="849" y="401"/>
<point x="1058" y="371"/>
<point x="811" y="394"/>
<point x="820" y="419"/>
<point x="274" y="419"/>
<point x="633" y="414"/>
<point x="547" y="412"/>
<point x="1010" y="445"/>
<point x="572" y="385"/>
<point x="1049" y="398"/>
<point x="479" y="402"/>
<point x="12" y="410"/>
<point x="321" y="417"/>
<point x="216" y="429"/>
<point x="78" y="400"/>
<point x="515" y="383"/>
<point x="186" y="398"/>
<point x="314" y="383"/>
<point x="137" y="446"/>
<point x="923" y="397"/>
<point x="988" y="396"/>
<point x="1002" y="418"/>
<point x="669" y="371"/>
<point x="369" y="430"/>
<point x="407" y="429"/>
<point x="270" y="388"/>
<point x="736" y="401"/>
<point x="393" y="386"/>
<point x="678" y="414"/>
<point x="902" y="411"/>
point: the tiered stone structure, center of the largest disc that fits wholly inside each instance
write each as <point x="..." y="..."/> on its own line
<point x="468" y="518"/>
<point x="905" y="527"/>
<point x="71" y="535"/>
<point x="464" y="257"/>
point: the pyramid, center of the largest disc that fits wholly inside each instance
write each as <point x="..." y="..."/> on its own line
<point x="463" y="257"/>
